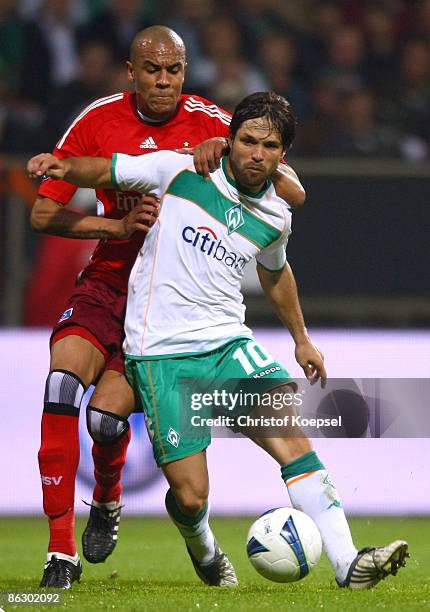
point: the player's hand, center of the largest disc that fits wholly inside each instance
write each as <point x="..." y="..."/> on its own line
<point x="46" y="164"/>
<point x="141" y="218"/>
<point x="310" y="358"/>
<point x="207" y="155"/>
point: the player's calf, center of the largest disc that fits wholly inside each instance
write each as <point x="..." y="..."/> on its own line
<point x="58" y="462"/>
<point x="210" y="563"/>
<point x="190" y="499"/>
<point x="111" y="436"/>
<point x="59" y="456"/>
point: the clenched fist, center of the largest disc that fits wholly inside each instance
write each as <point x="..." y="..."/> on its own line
<point x="46" y="164"/>
<point x="141" y="218"/>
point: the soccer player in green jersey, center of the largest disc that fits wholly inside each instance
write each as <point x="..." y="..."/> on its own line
<point x="185" y="320"/>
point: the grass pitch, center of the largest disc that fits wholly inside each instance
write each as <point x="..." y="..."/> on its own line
<point x="150" y="571"/>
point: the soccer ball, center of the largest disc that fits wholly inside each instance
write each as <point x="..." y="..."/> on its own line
<point x="284" y="545"/>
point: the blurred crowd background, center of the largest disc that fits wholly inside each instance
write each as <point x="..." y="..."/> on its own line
<point x="357" y="73"/>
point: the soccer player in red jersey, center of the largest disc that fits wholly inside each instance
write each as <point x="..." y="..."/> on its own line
<point x="86" y="341"/>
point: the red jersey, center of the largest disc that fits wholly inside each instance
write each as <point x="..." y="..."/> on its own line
<point x="113" y="125"/>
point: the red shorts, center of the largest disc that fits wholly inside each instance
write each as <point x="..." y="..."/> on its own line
<point x="96" y="311"/>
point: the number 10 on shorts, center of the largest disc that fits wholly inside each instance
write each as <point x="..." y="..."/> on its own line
<point x="252" y="356"/>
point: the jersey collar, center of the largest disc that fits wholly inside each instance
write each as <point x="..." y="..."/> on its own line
<point x="147" y="120"/>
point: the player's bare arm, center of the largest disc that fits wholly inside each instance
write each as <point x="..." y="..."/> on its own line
<point x="81" y="171"/>
<point x="51" y="217"/>
<point x="281" y="291"/>
<point x="207" y="158"/>
<point x="288" y="186"/>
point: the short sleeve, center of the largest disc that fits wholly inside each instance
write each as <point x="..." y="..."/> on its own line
<point x="72" y="144"/>
<point x="60" y="191"/>
<point x="222" y="124"/>
<point x="274" y="257"/>
<point x="213" y="120"/>
<point x="146" y="173"/>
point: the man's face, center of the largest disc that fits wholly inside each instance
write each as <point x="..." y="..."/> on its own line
<point x="157" y="71"/>
<point x="255" y="153"/>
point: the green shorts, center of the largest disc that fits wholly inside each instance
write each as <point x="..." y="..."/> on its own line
<point x="167" y="388"/>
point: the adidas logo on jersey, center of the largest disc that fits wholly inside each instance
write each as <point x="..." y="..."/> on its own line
<point x="149" y="143"/>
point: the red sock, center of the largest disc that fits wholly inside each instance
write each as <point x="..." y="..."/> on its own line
<point x="58" y="464"/>
<point x="108" y="463"/>
<point x="62" y="534"/>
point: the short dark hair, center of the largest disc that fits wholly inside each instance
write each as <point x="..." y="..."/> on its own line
<point x="267" y="104"/>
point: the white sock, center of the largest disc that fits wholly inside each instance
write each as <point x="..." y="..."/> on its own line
<point x="63" y="556"/>
<point x="112" y="505"/>
<point x="200" y="539"/>
<point x="195" y="530"/>
<point x="315" y="494"/>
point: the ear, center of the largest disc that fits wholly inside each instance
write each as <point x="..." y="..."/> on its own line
<point x="130" y="72"/>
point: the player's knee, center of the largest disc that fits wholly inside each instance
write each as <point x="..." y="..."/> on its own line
<point x="63" y="393"/>
<point x="192" y="499"/>
<point x="105" y="427"/>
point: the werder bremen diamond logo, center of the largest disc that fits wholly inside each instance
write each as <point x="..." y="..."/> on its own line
<point x="234" y="218"/>
<point x="173" y="437"/>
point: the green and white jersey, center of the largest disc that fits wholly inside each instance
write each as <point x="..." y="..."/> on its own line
<point x="184" y="294"/>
